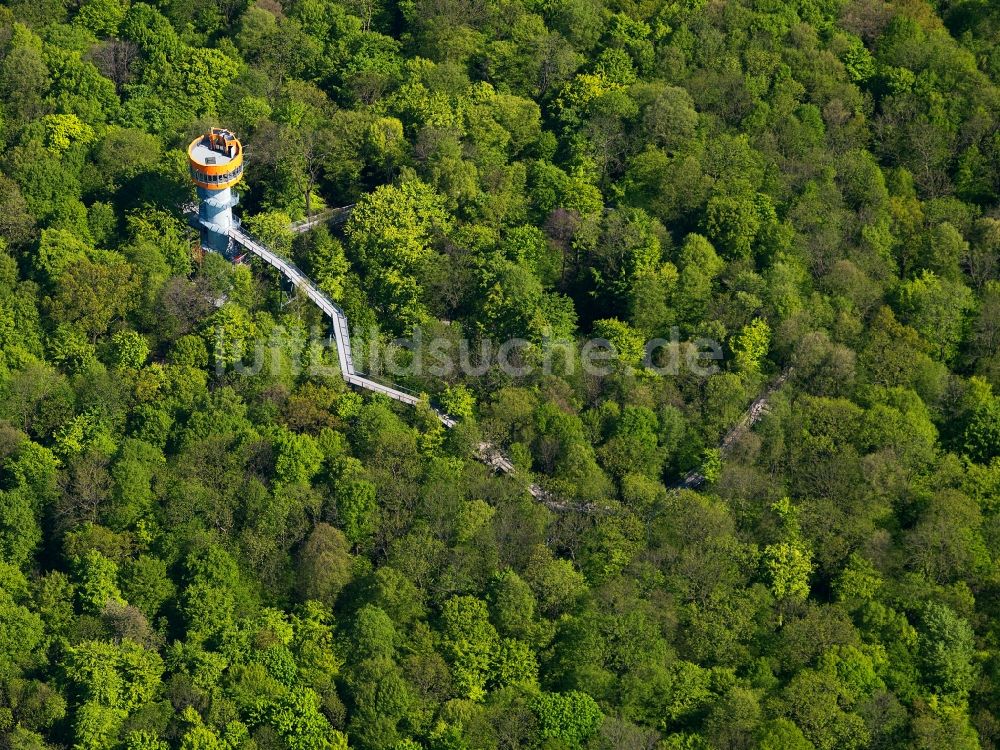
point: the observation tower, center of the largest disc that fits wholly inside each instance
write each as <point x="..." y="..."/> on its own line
<point x="216" y="162"/>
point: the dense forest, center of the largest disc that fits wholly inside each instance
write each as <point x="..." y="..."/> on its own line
<point x="201" y="552"/>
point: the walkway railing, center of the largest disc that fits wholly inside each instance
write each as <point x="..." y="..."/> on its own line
<point x="486" y="452"/>
<point x="326" y="216"/>
<point x="341" y="331"/>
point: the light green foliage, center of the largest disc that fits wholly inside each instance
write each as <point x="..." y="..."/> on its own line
<point x="668" y="115"/>
<point x="146" y="584"/>
<point x="97" y="725"/>
<point x="572" y="458"/>
<point x="36" y="467"/>
<point x="317" y="658"/>
<point x="385" y="139"/>
<point x="97" y="581"/>
<point x="947" y="650"/>
<point x="374" y="633"/>
<point x="57" y="250"/>
<point x="205" y="74"/>
<point x="633" y="445"/>
<point x="298" y="720"/>
<point x="473" y="519"/>
<point x="982" y="434"/>
<point x="859" y="580"/>
<point x="189" y="351"/>
<point x="711" y="465"/>
<point x="91" y="293"/>
<point x="251" y="110"/>
<point x="232" y="335"/>
<point x="553" y="188"/>
<point x="357" y="508"/>
<point x="570" y="717"/>
<point x="133" y="472"/>
<point x="817" y="703"/>
<point x="946" y="249"/>
<point x="21" y="629"/>
<point x="62" y="131"/>
<point x="739" y="221"/>
<point x="458" y="401"/>
<point x="200" y="737"/>
<point x="945" y="725"/>
<point x="101" y="222"/>
<point x="699" y="265"/>
<point x="610" y="548"/>
<point x="325" y="261"/>
<point x="130" y="350"/>
<point x="297" y="457"/>
<point x="684" y="741"/>
<point x="24" y="68"/>
<point x="660" y="696"/>
<point x="751" y="346"/>
<point x="788" y="566"/>
<point x="629" y="344"/>
<point x="556" y="583"/>
<point x="78" y="88"/>
<point x="630" y="269"/>
<point x="782" y="734"/>
<point x="397" y="594"/>
<point x="120" y="676"/>
<point x="271" y="228"/>
<point x="142" y="740"/>
<point x="211" y="593"/>
<point x="160" y="230"/>
<point x="470" y="640"/>
<point x="857" y="59"/>
<point x="19" y="529"/>
<point x="80" y="433"/>
<point x="103" y="17"/>
<point x="391" y="230"/>
<point x="516" y="306"/>
<point x="512" y="605"/>
<point x="936" y="308"/>
<point x="123" y="154"/>
<point x="515" y="664"/>
<point x="858" y="670"/>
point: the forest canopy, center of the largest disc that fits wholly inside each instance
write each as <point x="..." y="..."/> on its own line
<point x="200" y="551"/>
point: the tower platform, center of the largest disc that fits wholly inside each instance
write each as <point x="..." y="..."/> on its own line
<point x="215" y="160"/>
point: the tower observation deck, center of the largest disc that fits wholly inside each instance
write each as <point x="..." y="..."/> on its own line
<point x="216" y="163"/>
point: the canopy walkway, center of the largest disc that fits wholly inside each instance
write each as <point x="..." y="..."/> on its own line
<point x="488" y="453"/>
<point x="341" y="332"/>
